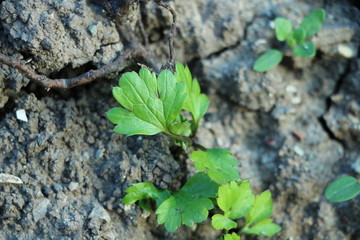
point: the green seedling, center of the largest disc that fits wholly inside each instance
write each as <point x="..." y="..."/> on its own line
<point x="342" y="189"/>
<point x="236" y="200"/>
<point x="295" y="38"/>
<point x="152" y="104"/>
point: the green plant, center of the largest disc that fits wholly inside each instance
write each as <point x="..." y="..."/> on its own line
<point x="342" y="189"/>
<point x="296" y="39"/>
<point x="236" y="200"/>
<point x="152" y="104"/>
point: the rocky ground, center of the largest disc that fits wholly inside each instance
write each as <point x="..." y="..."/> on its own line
<point x="293" y="129"/>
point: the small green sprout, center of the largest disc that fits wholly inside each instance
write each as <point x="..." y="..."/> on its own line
<point x="236" y="200"/>
<point x="152" y="104"/>
<point x="296" y="39"/>
<point x="342" y="189"/>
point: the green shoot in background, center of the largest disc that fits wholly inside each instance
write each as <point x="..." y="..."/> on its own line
<point x="152" y="104"/>
<point x="342" y="189"/>
<point x="295" y="38"/>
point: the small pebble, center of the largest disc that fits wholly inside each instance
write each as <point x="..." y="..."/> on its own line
<point x="46" y="190"/>
<point x="127" y="208"/>
<point x="272" y="24"/>
<point x="346" y="51"/>
<point x="167" y="178"/>
<point x="93" y="29"/>
<point x="7" y="178"/>
<point x="260" y="42"/>
<point x="21" y="115"/>
<point x="356" y="165"/>
<point x="99" y="153"/>
<point x="337" y="98"/>
<point x="57" y="188"/>
<point x="291" y="89"/>
<point x="298" y="150"/>
<point x="73" y="186"/>
<point x="40" y="210"/>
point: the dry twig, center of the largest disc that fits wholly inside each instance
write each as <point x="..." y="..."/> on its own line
<point x="68" y="82"/>
<point x="171" y="63"/>
<point x="142" y="30"/>
<point x="133" y="49"/>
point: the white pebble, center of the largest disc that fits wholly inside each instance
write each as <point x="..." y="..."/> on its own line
<point x="291" y="89"/>
<point x="272" y="24"/>
<point x="298" y="150"/>
<point x="21" y="115"/>
<point x="7" y="178"/>
<point x="356" y="165"/>
<point x="346" y="51"/>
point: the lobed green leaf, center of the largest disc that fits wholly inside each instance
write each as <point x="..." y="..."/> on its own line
<point x="200" y="185"/>
<point x="150" y="104"/>
<point x="189" y="205"/>
<point x="232" y="236"/>
<point x="263" y="228"/>
<point x="219" y="221"/>
<point x="217" y="163"/>
<point x="128" y="124"/>
<point x="196" y="103"/>
<point x="144" y="190"/>
<point x="261" y="209"/>
<point x="267" y="60"/>
<point x="235" y="199"/>
<point x="172" y="95"/>
<point x="181" y="128"/>
<point x="342" y="189"/>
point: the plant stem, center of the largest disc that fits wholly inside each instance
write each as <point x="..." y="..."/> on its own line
<point x="199" y="146"/>
<point x="187" y="139"/>
<point x="196" y="126"/>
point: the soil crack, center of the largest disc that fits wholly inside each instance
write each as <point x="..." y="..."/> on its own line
<point x="328" y="103"/>
<point x="233" y="46"/>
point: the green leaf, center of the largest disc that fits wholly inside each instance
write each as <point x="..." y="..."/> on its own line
<point x="235" y="199"/>
<point x="306" y="49"/>
<point x="128" y="124"/>
<point x="219" y="221"/>
<point x="291" y="41"/>
<point x="267" y="60"/>
<point x="299" y="35"/>
<point x="189" y="205"/>
<point x="172" y="95"/>
<point x="200" y="185"/>
<point x="145" y="204"/>
<point x="263" y="228"/>
<point x="283" y="28"/>
<point x="296" y="37"/>
<point x="342" y="189"/>
<point x="312" y="23"/>
<point x="181" y="128"/>
<point x="261" y="209"/>
<point x="170" y="212"/>
<point x="144" y="190"/>
<point x="149" y="102"/>
<point x="217" y="163"/>
<point x="196" y="103"/>
<point x="232" y="236"/>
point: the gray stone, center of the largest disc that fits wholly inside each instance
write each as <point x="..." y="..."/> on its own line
<point x="40" y="209"/>
<point x="73" y="186"/>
